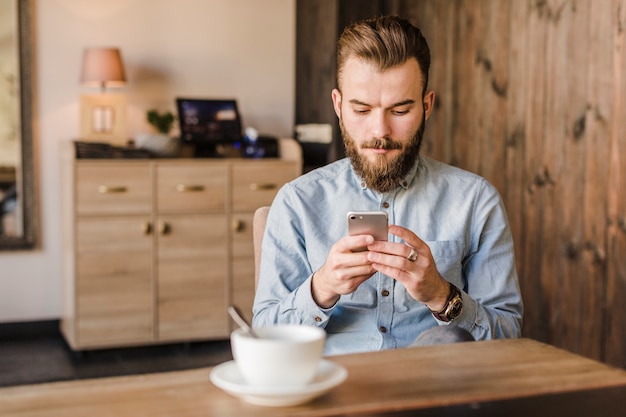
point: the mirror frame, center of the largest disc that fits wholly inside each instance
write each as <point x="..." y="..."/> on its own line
<point x="27" y="197"/>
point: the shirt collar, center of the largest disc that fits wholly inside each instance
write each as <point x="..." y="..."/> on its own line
<point x="404" y="183"/>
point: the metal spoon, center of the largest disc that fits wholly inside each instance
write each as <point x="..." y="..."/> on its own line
<point x="235" y="313"/>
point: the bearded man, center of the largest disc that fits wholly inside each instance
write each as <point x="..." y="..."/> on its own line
<point x="447" y="271"/>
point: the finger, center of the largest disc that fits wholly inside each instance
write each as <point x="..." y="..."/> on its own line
<point x="398" y="274"/>
<point x="350" y="286"/>
<point x="348" y="264"/>
<point x="354" y="243"/>
<point x="344" y="280"/>
<point x="397" y="249"/>
<point x="410" y="239"/>
<point x="396" y="261"/>
<point x="355" y="272"/>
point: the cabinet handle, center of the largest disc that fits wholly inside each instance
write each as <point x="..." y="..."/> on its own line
<point x="108" y="189"/>
<point x="262" y="187"/>
<point x="146" y="228"/>
<point x="164" y="228"/>
<point x="238" y="225"/>
<point x="182" y="188"/>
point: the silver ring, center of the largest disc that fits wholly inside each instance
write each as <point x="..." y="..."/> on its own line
<point x="412" y="255"/>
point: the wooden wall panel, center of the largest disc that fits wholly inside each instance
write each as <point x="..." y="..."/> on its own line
<point x="316" y="37"/>
<point x="571" y="177"/>
<point x="600" y="94"/>
<point x="615" y="334"/>
<point x="552" y="176"/>
<point x="516" y="187"/>
<point x="536" y="296"/>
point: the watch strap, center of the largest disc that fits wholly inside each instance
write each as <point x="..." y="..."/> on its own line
<point x="444" y="314"/>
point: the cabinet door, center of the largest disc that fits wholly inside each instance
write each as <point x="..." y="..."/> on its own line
<point x="114" y="294"/>
<point x="192" y="275"/>
<point x="242" y="263"/>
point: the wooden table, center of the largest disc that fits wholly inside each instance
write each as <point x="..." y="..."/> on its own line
<point x="494" y="378"/>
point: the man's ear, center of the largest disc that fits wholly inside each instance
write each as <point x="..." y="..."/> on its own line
<point x="336" y="96"/>
<point x="429" y="103"/>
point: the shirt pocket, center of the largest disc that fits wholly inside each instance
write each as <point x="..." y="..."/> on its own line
<point x="448" y="255"/>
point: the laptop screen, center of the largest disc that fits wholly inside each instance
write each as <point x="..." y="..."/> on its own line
<point x="206" y="120"/>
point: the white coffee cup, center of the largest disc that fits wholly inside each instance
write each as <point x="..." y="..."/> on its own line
<point x="282" y="355"/>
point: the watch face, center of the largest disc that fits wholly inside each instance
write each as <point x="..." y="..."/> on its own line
<point x="455" y="308"/>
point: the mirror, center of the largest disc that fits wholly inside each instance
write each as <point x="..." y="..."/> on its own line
<point x="17" y="216"/>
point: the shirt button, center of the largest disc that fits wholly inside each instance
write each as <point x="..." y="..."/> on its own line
<point x="385" y="293"/>
<point x="363" y="185"/>
<point x="383" y="329"/>
<point x="318" y="319"/>
<point x="405" y="184"/>
<point x="386" y="204"/>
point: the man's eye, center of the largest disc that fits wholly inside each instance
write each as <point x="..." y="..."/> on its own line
<point x="361" y="111"/>
<point x="400" y="112"/>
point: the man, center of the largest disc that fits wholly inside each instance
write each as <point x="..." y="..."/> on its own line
<point x="449" y="258"/>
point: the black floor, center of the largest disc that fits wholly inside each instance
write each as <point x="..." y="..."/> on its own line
<point x="36" y="352"/>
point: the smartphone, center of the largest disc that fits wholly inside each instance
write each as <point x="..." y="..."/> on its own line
<point x="368" y="223"/>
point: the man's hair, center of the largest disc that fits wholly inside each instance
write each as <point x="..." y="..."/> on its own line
<point x="386" y="42"/>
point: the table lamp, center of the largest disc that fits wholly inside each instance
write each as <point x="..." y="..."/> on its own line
<point x="103" y="115"/>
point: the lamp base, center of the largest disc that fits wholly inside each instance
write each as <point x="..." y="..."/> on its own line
<point x="103" y="118"/>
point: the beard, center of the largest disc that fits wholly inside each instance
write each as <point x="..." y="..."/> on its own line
<point x="383" y="175"/>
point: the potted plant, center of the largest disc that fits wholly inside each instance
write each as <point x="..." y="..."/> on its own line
<point x="159" y="143"/>
<point x="161" y="122"/>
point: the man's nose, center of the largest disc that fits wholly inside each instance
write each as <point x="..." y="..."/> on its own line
<point x="379" y="125"/>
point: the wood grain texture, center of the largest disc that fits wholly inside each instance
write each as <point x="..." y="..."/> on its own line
<point x="192" y="277"/>
<point x="191" y="187"/>
<point x="114" y="291"/>
<point x="519" y="376"/>
<point x="316" y="37"/>
<point x="129" y="185"/>
<point x="615" y="330"/>
<point x="243" y="288"/>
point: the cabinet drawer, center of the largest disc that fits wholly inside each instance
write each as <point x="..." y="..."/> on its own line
<point x="255" y="183"/>
<point x="113" y="189"/>
<point x="191" y="188"/>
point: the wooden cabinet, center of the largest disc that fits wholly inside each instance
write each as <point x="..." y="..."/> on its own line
<point x="249" y="187"/>
<point x="155" y="250"/>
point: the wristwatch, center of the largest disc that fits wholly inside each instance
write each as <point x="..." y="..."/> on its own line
<point x="453" y="306"/>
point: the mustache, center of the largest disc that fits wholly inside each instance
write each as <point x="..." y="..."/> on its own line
<point x="381" y="143"/>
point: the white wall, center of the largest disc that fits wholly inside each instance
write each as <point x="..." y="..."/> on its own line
<point x="201" y="48"/>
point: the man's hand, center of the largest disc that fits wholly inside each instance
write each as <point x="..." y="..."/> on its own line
<point x="343" y="271"/>
<point x="420" y="278"/>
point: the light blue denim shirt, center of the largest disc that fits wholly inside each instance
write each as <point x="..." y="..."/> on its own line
<point x="458" y="214"/>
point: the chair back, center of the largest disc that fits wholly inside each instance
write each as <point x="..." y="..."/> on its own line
<point x="258" y="229"/>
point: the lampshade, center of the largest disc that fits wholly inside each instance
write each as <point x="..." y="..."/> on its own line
<point x="102" y="67"/>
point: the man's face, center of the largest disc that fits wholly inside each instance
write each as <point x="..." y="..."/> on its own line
<point x="382" y="118"/>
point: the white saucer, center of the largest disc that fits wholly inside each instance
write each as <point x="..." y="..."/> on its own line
<point x="227" y="377"/>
